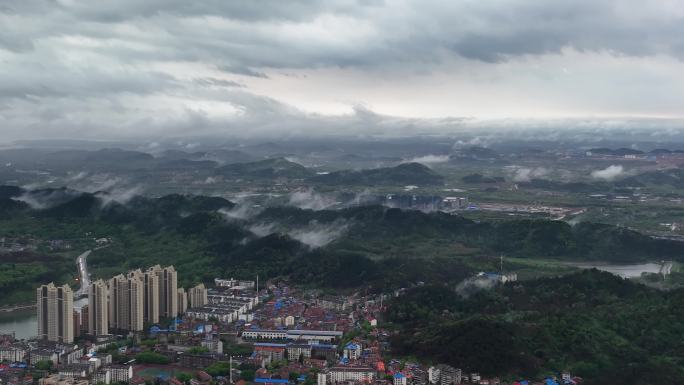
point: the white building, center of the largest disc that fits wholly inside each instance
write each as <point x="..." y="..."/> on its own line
<point x="13" y="353"/>
<point x="399" y="379"/>
<point x="314" y="336"/>
<point x="265" y="334"/>
<point x="342" y="374"/>
<point x="444" y="375"/>
<point x="352" y="351"/>
<point x="119" y="373"/>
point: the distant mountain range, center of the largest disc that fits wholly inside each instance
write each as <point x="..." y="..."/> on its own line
<point x="403" y="174"/>
<point x="268" y="168"/>
<point x="227" y="164"/>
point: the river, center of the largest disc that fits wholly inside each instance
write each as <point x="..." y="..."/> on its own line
<point x="627" y="271"/>
<point x="24" y="323"/>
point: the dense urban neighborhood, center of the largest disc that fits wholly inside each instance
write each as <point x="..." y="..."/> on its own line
<point x="141" y="328"/>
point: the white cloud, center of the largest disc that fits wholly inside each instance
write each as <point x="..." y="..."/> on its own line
<point x="609" y="173"/>
<point x="309" y="199"/>
<point x="524" y="174"/>
<point x="429" y="159"/>
<point x="318" y="235"/>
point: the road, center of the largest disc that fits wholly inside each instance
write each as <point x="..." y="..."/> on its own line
<point x="83" y="273"/>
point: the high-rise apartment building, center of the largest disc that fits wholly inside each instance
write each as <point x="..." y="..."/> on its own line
<point x="77" y="323"/>
<point x="126" y="303"/>
<point x="84" y="319"/>
<point x="168" y="290"/>
<point x="197" y="296"/>
<point x="55" y="313"/>
<point x="182" y="301"/>
<point x="150" y="294"/>
<point x="98" y="308"/>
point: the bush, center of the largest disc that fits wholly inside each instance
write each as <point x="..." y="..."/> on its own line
<point x="151" y="358"/>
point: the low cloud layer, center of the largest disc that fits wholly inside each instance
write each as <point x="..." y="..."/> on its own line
<point x="120" y="195"/>
<point x="242" y="210"/>
<point x="524" y="174"/>
<point x="429" y="159"/>
<point x="44" y="199"/>
<point x="318" y="235"/>
<point x="309" y="199"/>
<point x="609" y="173"/>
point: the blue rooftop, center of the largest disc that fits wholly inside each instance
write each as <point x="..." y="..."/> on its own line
<point x="271" y="381"/>
<point x="270" y="345"/>
<point x="323" y="346"/>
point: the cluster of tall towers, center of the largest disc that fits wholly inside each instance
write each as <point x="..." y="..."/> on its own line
<point x="127" y="302"/>
<point x="123" y="303"/>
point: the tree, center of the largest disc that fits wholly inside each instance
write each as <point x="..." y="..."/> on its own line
<point x="44" y="365"/>
<point x="151" y="358"/>
<point x="247" y="375"/>
<point x="198" y="350"/>
<point x="184" y="377"/>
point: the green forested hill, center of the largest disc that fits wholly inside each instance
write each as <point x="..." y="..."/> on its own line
<point x="594" y="324"/>
<point x="375" y="246"/>
<point x="403" y="174"/>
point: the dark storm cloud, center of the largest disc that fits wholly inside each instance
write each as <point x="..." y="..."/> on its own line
<point x="244" y="33"/>
<point x="106" y="68"/>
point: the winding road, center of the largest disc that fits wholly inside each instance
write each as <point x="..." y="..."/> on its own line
<point x="83" y="273"/>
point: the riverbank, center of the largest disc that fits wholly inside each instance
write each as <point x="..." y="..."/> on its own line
<point x="12" y="308"/>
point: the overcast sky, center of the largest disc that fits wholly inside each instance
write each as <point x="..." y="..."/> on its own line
<point x="132" y="68"/>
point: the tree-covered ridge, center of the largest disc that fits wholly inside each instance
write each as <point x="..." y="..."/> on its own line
<point x="594" y="324"/>
<point x="373" y="246"/>
<point x="376" y="229"/>
<point x="403" y="174"/>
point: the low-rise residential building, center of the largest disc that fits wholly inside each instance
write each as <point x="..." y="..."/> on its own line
<point x="316" y="336"/>
<point x="399" y="379"/>
<point x="444" y="375"/>
<point x="295" y="351"/>
<point x="199" y="360"/>
<point x="324" y="351"/>
<point x="75" y="370"/>
<point x="56" y="379"/>
<point x="214" y="344"/>
<point x="343" y="373"/>
<point x="271" y="352"/>
<point x="14" y="353"/>
<point x="12" y="376"/>
<point x="119" y="373"/>
<point x="352" y="351"/>
<point x="37" y="355"/>
<point x="102" y="377"/>
<point x="305" y="336"/>
<point x="265" y="334"/>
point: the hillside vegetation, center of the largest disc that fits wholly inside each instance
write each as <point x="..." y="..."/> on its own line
<point x="373" y="245"/>
<point x="596" y="325"/>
